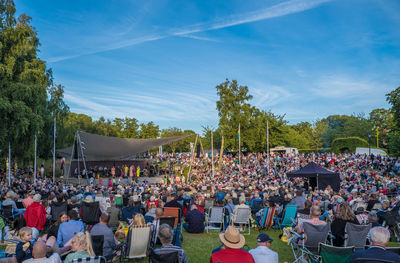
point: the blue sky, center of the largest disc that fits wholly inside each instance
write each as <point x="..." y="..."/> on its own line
<point x="161" y="60"/>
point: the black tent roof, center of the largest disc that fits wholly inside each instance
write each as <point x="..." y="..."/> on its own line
<point x="310" y="170"/>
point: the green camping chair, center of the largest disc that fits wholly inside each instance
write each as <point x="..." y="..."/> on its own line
<point x="289" y="217"/>
<point x="331" y="254"/>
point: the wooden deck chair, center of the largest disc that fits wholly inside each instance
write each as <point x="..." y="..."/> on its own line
<point x="138" y="242"/>
<point x="173" y="211"/>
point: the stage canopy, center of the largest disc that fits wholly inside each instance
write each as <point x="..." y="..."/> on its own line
<point x="322" y="176"/>
<point x="97" y="147"/>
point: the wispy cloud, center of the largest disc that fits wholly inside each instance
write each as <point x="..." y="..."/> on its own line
<point x="278" y="10"/>
<point x="158" y="107"/>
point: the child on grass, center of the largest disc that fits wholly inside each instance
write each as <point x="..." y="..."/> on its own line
<point x="24" y="247"/>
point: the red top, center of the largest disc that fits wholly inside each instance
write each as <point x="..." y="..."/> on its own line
<point x="230" y="255"/>
<point x="35" y="216"/>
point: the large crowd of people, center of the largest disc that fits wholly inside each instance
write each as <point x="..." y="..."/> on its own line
<point x="49" y="215"/>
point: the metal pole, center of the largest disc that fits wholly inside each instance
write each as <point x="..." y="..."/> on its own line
<point x="212" y="154"/>
<point x="192" y="159"/>
<point x="34" y="170"/>
<point x="83" y="156"/>
<point x="240" y="162"/>
<point x="9" y="163"/>
<point x="267" y="149"/>
<point x="54" y="151"/>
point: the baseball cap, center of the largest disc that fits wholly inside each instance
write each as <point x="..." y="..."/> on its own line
<point x="263" y="238"/>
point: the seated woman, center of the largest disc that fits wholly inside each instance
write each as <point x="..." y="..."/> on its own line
<point x="138" y="220"/>
<point x="81" y="247"/>
<point x="343" y="216"/>
<point x="12" y="236"/>
<point x="53" y="230"/>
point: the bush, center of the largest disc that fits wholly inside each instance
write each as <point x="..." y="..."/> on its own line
<point x="350" y="144"/>
<point x="315" y="150"/>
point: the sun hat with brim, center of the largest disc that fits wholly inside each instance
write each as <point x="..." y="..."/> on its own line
<point x="232" y="238"/>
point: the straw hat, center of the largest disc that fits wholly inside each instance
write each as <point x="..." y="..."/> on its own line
<point x="232" y="238"/>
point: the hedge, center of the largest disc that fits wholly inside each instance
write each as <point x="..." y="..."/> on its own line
<point x="315" y="150"/>
<point x="349" y="143"/>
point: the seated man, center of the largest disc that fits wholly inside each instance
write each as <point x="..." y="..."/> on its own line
<point x="379" y="237"/>
<point x="232" y="241"/>
<point x="315" y="213"/>
<point x="165" y="234"/>
<point x="39" y="255"/>
<point x="67" y="229"/>
<point x="102" y="229"/>
<point x="263" y="253"/>
<point x="195" y="220"/>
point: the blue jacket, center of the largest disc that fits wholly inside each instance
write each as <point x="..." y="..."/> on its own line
<point x="376" y="253"/>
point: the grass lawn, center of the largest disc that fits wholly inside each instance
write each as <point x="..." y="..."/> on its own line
<point x="198" y="247"/>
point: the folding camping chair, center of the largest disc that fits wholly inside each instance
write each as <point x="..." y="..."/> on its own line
<point x="164" y="257"/>
<point x="289" y="217"/>
<point x="257" y="205"/>
<point x="372" y="260"/>
<point x="312" y="236"/>
<point x="56" y="210"/>
<point x="242" y="217"/>
<point x="90" y="213"/>
<point x="139" y="239"/>
<point x="7" y="213"/>
<point x="98" y="243"/>
<point x="96" y="259"/>
<point x="215" y="216"/>
<point x="331" y="254"/>
<point x="169" y="220"/>
<point x="208" y="203"/>
<point x="356" y="235"/>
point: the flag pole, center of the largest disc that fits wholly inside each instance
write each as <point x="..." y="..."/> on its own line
<point x="267" y="148"/>
<point x="34" y="170"/>
<point x="54" y="151"/>
<point x="212" y="154"/>
<point x="240" y="160"/>
<point x="9" y="163"/>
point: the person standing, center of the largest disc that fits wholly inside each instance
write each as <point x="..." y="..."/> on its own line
<point x="263" y="253"/>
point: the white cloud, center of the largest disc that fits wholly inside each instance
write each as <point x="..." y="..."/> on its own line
<point x="278" y="10"/>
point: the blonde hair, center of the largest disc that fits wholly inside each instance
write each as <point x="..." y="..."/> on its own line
<point x="138" y="220"/>
<point x="24" y="231"/>
<point x="345" y="213"/>
<point x="84" y="240"/>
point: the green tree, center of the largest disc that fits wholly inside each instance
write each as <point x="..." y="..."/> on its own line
<point x="127" y="128"/>
<point x="23" y="82"/>
<point x="393" y="98"/>
<point x="149" y="130"/>
<point x="382" y="119"/>
<point x="234" y="109"/>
